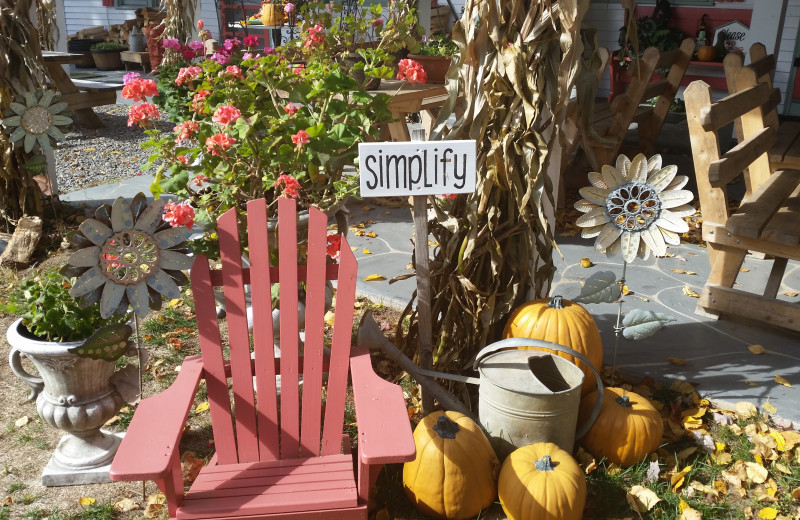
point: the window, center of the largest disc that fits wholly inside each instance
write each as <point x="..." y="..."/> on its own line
<point x="135" y="4"/>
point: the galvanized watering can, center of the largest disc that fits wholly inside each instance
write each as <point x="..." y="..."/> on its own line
<point x="529" y="396"/>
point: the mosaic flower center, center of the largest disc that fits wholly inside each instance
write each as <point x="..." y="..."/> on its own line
<point x="36" y="120"/>
<point x="633" y="206"/>
<point x="129" y="257"/>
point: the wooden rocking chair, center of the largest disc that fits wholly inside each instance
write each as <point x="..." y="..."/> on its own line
<point x="281" y="454"/>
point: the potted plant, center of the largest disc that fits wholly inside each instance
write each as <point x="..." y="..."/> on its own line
<point x="106" y="55"/>
<point x="435" y="55"/>
<point x="73" y="327"/>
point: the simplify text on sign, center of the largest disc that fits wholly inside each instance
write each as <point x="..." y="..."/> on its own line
<point x="417" y="168"/>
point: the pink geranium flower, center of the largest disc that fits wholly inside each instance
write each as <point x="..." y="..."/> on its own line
<point x="226" y="115"/>
<point x="141" y="113"/>
<point x="186" y="130"/>
<point x="291" y="109"/>
<point x="313" y="37"/>
<point x="411" y="71"/>
<point x="182" y="159"/>
<point x="234" y="71"/>
<point x="138" y="89"/>
<point x="300" y="139"/>
<point x="199" y="99"/>
<point x="188" y="74"/>
<point x="291" y="187"/>
<point x="199" y="179"/>
<point x="250" y="41"/>
<point x="219" y="143"/>
<point x="179" y="214"/>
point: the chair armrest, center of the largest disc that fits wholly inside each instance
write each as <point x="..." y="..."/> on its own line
<point x="155" y="430"/>
<point x="384" y="431"/>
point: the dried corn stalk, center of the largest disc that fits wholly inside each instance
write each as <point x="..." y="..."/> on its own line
<point x="21" y="70"/>
<point x="518" y="63"/>
<point x="178" y="24"/>
<point x="48" y="30"/>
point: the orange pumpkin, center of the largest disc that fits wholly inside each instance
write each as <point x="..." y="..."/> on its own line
<point x="627" y="429"/>
<point x="706" y="53"/>
<point x="564" y="322"/>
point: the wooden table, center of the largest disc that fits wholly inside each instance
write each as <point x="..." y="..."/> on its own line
<point x="79" y="102"/>
<point x="408" y="99"/>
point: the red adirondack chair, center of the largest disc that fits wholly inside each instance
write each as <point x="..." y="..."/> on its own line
<point x="280" y="455"/>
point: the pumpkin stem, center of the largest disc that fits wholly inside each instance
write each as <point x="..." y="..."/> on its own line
<point x="624" y="401"/>
<point x="445" y="428"/>
<point x="544" y="464"/>
<point x="556" y="302"/>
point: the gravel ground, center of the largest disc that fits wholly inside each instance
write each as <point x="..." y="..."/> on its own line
<point x="88" y="158"/>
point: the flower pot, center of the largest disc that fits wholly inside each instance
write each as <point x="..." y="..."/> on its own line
<point x="107" y="59"/>
<point x="74" y="394"/>
<point x="272" y="14"/>
<point x="82" y="46"/>
<point x="435" y="66"/>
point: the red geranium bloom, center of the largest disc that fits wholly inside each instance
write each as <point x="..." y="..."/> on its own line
<point x="291" y="187"/>
<point x="139" y="89"/>
<point x="226" y="115"/>
<point x="300" y="139"/>
<point x="199" y="179"/>
<point x="334" y="245"/>
<point x="186" y="130"/>
<point x="199" y="99"/>
<point x="291" y="109"/>
<point x="142" y="113"/>
<point x="183" y="159"/>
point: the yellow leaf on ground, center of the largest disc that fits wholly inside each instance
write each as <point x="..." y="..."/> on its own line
<point x="22" y="421"/>
<point x="690" y="514"/>
<point x="782" y="468"/>
<point x="768" y="513"/>
<point x="699" y="486"/>
<point x="174" y="302"/>
<point x="756" y="349"/>
<point x="626" y="290"/>
<point x="585" y="262"/>
<point x="367" y="251"/>
<point x="329" y="317"/>
<point x="750" y="383"/>
<point x="641" y="499"/>
<point x="782" y="381"/>
<point x="791" y="294"/>
<point x="125" y="504"/>
<point x="721" y="486"/>
<point x="769" y="407"/>
<point x="745" y="410"/>
<point x="796" y="493"/>
<point x="688" y="291"/>
<point x="744" y="270"/>
<point x="374" y="277"/>
<point x="86" y="501"/>
<point x="676" y="481"/>
<point x="790" y="438"/>
<point x="683" y="271"/>
<point x="202" y="407"/>
<point x="756" y="472"/>
<point x="676" y="361"/>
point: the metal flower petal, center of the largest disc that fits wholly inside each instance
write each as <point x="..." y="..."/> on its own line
<point x="636" y="207"/>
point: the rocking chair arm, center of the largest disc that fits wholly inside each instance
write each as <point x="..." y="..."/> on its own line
<point x="147" y="449"/>
<point x="384" y="431"/>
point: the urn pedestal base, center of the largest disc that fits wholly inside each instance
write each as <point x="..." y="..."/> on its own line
<point x="92" y="469"/>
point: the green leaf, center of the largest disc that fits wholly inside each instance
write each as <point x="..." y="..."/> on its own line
<point x="108" y="343"/>
<point x="601" y="287"/>
<point x="316" y="130"/>
<point x="176" y="183"/>
<point x="640" y="324"/>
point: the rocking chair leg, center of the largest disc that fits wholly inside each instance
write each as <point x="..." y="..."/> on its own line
<point x="172" y="485"/>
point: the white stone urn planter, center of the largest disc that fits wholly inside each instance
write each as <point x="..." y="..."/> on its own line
<point x="74" y="394"/>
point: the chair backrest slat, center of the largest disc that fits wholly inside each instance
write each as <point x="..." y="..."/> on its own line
<point x="287" y="262"/>
<point x="310" y="427"/>
<point x="753" y="123"/>
<point x="340" y="351"/>
<point x="729" y="108"/>
<point x="213" y="361"/>
<point x="263" y="341"/>
<point x="238" y="338"/>
<point x="740" y="157"/>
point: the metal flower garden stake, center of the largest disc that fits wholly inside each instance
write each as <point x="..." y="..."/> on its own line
<point x="636" y="207"/>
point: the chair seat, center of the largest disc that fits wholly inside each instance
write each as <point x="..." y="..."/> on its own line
<point x="324" y="483"/>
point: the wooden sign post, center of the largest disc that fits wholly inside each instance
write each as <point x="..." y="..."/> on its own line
<point x="418" y="169"/>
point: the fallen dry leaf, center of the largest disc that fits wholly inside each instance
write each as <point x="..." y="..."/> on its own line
<point x="756" y="472"/>
<point x="367" y="251"/>
<point x="688" y="291"/>
<point x="641" y="499"/>
<point x="756" y="349"/>
<point x="585" y="262"/>
<point x="202" y="407"/>
<point x="86" y="501"/>
<point x="676" y="361"/>
<point x="682" y="271"/>
<point x="190" y="468"/>
<point x="745" y="410"/>
<point x="750" y="383"/>
<point x="22" y="421"/>
<point x="769" y="407"/>
<point x="690" y="514"/>
<point x="782" y="381"/>
<point x="374" y="277"/>
<point x="791" y="294"/>
<point x="744" y="270"/>
<point x="125" y="504"/>
<point x="676" y="481"/>
<point x="768" y="513"/>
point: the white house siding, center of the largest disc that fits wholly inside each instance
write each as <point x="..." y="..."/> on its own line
<point x="81" y="14"/>
<point x="785" y="54"/>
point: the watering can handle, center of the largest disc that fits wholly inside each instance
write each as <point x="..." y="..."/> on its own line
<point x="528" y="342"/>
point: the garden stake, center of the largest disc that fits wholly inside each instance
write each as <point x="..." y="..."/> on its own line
<point x="618" y="327"/>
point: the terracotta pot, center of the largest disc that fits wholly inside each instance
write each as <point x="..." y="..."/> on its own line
<point x="435" y="66"/>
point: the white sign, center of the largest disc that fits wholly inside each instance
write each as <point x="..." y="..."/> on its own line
<point x="733" y="34"/>
<point x="417" y="168"/>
